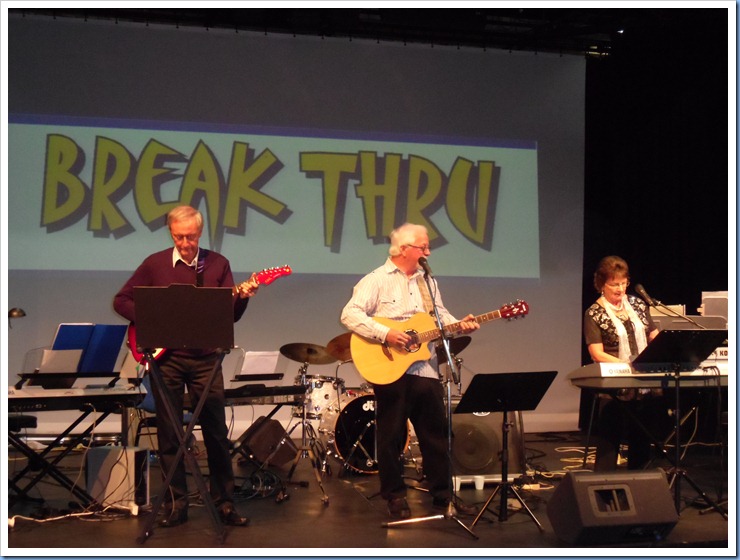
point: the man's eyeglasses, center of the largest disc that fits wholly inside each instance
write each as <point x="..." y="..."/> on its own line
<point x="422" y="248"/>
<point x="191" y="238"/>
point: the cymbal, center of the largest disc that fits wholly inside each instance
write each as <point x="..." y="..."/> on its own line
<point x="457" y="345"/>
<point x="339" y="347"/>
<point x="307" y="353"/>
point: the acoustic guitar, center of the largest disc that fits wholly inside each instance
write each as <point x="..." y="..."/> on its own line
<point x="380" y="364"/>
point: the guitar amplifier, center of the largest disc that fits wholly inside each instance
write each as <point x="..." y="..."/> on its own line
<point x="118" y="476"/>
<point x="267" y="439"/>
<point x="477" y="445"/>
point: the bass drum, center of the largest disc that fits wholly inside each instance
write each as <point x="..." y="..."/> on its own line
<point x="347" y="429"/>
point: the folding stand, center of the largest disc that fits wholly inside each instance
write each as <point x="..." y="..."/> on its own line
<point x="505" y="392"/>
<point x="673" y="352"/>
<point x="164" y="321"/>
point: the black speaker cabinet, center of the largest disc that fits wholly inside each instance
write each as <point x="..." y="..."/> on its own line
<point x="477" y="443"/>
<point x="263" y="437"/>
<point x="611" y="507"/>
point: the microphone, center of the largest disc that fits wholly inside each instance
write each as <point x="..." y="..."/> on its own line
<point x="425" y="265"/>
<point x="644" y="295"/>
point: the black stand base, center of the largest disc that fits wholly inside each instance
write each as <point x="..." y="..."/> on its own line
<point x="183" y="453"/>
<point x="450" y="514"/>
<point x="503" y="513"/>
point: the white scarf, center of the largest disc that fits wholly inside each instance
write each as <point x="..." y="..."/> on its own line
<point x="637" y="326"/>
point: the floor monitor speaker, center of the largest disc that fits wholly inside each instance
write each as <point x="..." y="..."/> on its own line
<point x="476" y="444"/>
<point x="264" y="437"/>
<point x="612" y="507"/>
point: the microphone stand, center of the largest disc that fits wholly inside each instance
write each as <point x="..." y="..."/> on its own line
<point x="658" y="304"/>
<point x="451" y="512"/>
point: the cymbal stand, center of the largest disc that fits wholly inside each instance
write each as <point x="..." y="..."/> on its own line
<point x="309" y="444"/>
<point x="358" y="445"/>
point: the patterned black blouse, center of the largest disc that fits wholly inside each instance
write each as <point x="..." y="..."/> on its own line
<point x="598" y="327"/>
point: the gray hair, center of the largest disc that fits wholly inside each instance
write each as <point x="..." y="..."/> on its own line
<point x="182" y="213"/>
<point x="405" y="234"/>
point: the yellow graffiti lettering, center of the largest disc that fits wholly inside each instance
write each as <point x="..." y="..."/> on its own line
<point x="335" y="171"/>
<point x="424" y="188"/>
<point x="203" y="177"/>
<point x="247" y="175"/>
<point x="112" y="167"/>
<point x="379" y="196"/>
<point x="151" y="174"/>
<point x="64" y="192"/>
<point x="464" y="197"/>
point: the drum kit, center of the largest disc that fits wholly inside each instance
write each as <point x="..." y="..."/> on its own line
<point x="346" y="416"/>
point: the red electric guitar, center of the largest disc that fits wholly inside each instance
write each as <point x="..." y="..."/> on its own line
<point x="264" y="278"/>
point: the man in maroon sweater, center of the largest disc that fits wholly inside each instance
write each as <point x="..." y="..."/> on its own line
<point x="186" y="263"/>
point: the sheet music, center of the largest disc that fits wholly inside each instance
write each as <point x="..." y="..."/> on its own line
<point x="60" y="361"/>
<point x="260" y="362"/>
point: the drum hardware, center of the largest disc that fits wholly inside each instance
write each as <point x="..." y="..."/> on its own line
<point x="339" y="347"/>
<point x="311" y="447"/>
<point x="321" y="392"/>
<point x="457" y="345"/>
<point x="348" y="426"/>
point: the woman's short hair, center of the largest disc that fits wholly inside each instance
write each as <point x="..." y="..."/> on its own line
<point x="610" y="267"/>
<point x="405" y="234"/>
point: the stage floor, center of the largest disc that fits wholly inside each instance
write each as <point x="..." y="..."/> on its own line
<point x="352" y="522"/>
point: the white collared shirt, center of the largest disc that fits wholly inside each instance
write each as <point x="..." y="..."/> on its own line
<point x="176" y="257"/>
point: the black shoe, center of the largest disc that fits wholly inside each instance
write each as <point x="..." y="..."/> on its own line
<point x="174" y="518"/>
<point x="229" y="516"/>
<point x="398" y="508"/>
<point x="459" y="506"/>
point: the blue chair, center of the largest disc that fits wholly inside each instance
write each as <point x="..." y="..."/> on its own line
<point x="148" y="405"/>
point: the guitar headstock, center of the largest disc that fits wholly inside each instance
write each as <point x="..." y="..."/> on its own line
<point x="268" y="275"/>
<point x="519" y="308"/>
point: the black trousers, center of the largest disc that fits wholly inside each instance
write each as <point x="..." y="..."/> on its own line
<point x="420" y="400"/>
<point x="177" y="373"/>
<point x="627" y="421"/>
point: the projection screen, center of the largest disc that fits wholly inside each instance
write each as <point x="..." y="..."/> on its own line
<point x="299" y="151"/>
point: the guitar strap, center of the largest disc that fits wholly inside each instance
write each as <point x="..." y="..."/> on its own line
<point x="202" y="254"/>
<point x="426" y="297"/>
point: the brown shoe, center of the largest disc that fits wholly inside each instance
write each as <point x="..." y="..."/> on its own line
<point x="398" y="508"/>
<point x="229" y="516"/>
<point x="174" y="518"/>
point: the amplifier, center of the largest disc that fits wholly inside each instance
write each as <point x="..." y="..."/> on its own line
<point x="118" y="476"/>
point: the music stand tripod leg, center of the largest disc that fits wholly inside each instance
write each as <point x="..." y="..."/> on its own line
<point x="182" y="451"/>
<point x="505" y="486"/>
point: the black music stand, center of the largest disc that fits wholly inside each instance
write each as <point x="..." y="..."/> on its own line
<point x="176" y="317"/>
<point x="673" y="352"/>
<point x="505" y="392"/>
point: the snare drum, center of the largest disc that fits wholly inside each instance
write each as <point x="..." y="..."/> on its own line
<point x="348" y="428"/>
<point x="322" y="391"/>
